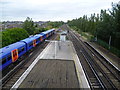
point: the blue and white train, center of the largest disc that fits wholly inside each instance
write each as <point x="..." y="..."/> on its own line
<point x="13" y="52"/>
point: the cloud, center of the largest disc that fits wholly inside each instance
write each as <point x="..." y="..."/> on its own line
<point x="51" y="9"/>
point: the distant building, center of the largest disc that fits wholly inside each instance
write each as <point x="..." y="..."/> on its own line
<point x="63" y="36"/>
<point x="18" y="24"/>
<point x="11" y="24"/>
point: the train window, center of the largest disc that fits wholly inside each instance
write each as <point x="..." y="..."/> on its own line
<point x="38" y="39"/>
<point x="14" y="53"/>
<point x="30" y="44"/>
<point x="9" y="57"/>
<point x="34" y="41"/>
<point x="19" y="50"/>
<point x="3" y="60"/>
<point x="0" y="61"/>
<point x="22" y="49"/>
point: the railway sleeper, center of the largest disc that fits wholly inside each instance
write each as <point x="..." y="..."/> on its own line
<point x="94" y="82"/>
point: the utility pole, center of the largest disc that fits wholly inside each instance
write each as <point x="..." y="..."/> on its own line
<point x="96" y="38"/>
<point x="109" y="42"/>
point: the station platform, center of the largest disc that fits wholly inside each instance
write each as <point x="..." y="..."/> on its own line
<point x="113" y="59"/>
<point x="109" y="56"/>
<point x="57" y="66"/>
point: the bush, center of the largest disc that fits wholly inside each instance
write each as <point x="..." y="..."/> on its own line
<point x="13" y="35"/>
<point x="112" y="49"/>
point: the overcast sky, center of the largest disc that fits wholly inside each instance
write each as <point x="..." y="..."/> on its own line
<point x="53" y="10"/>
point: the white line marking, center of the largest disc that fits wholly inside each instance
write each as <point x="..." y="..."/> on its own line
<point x="80" y="72"/>
<point x="30" y="54"/>
<point x="24" y="75"/>
<point x="105" y="57"/>
<point x="92" y="54"/>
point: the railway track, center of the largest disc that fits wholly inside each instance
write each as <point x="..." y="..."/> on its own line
<point x="109" y="71"/>
<point x="10" y="78"/>
<point x="99" y="74"/>
<point x="105" y="59"/>
<point x="92" y="77"/>
<point x="110" y="68"/>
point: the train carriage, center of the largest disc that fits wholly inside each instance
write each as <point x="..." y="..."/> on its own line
<point x="52" y="31"/>
<point x="43" y="36"/>
<point x="30" y="42"/>
<point x="48" y="33"/>
<point x="39" y="38"/>
<point x="11" y="53"/>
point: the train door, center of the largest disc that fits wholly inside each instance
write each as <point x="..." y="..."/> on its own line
<point x="34" y="43"/>
<point x="14" y="55"/>
<point x="41" y="38"/>
<point x="47" y="35"/>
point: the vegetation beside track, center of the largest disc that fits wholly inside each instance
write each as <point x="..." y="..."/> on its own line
<point x="13" y="35"/>
<point x="102" y="28"/>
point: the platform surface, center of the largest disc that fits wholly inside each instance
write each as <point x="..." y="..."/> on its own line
<point x="56" y="67"/>
<point x="52" y="74"/>
<point x="59" y="50"/>
<point x="108" y="55"/>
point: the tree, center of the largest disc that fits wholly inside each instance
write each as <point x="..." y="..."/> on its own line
<point x="28" y="25"/>
<point x="104" y="25"/>
<point x="13" y="35"/>
<point x="56" y="24"/>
